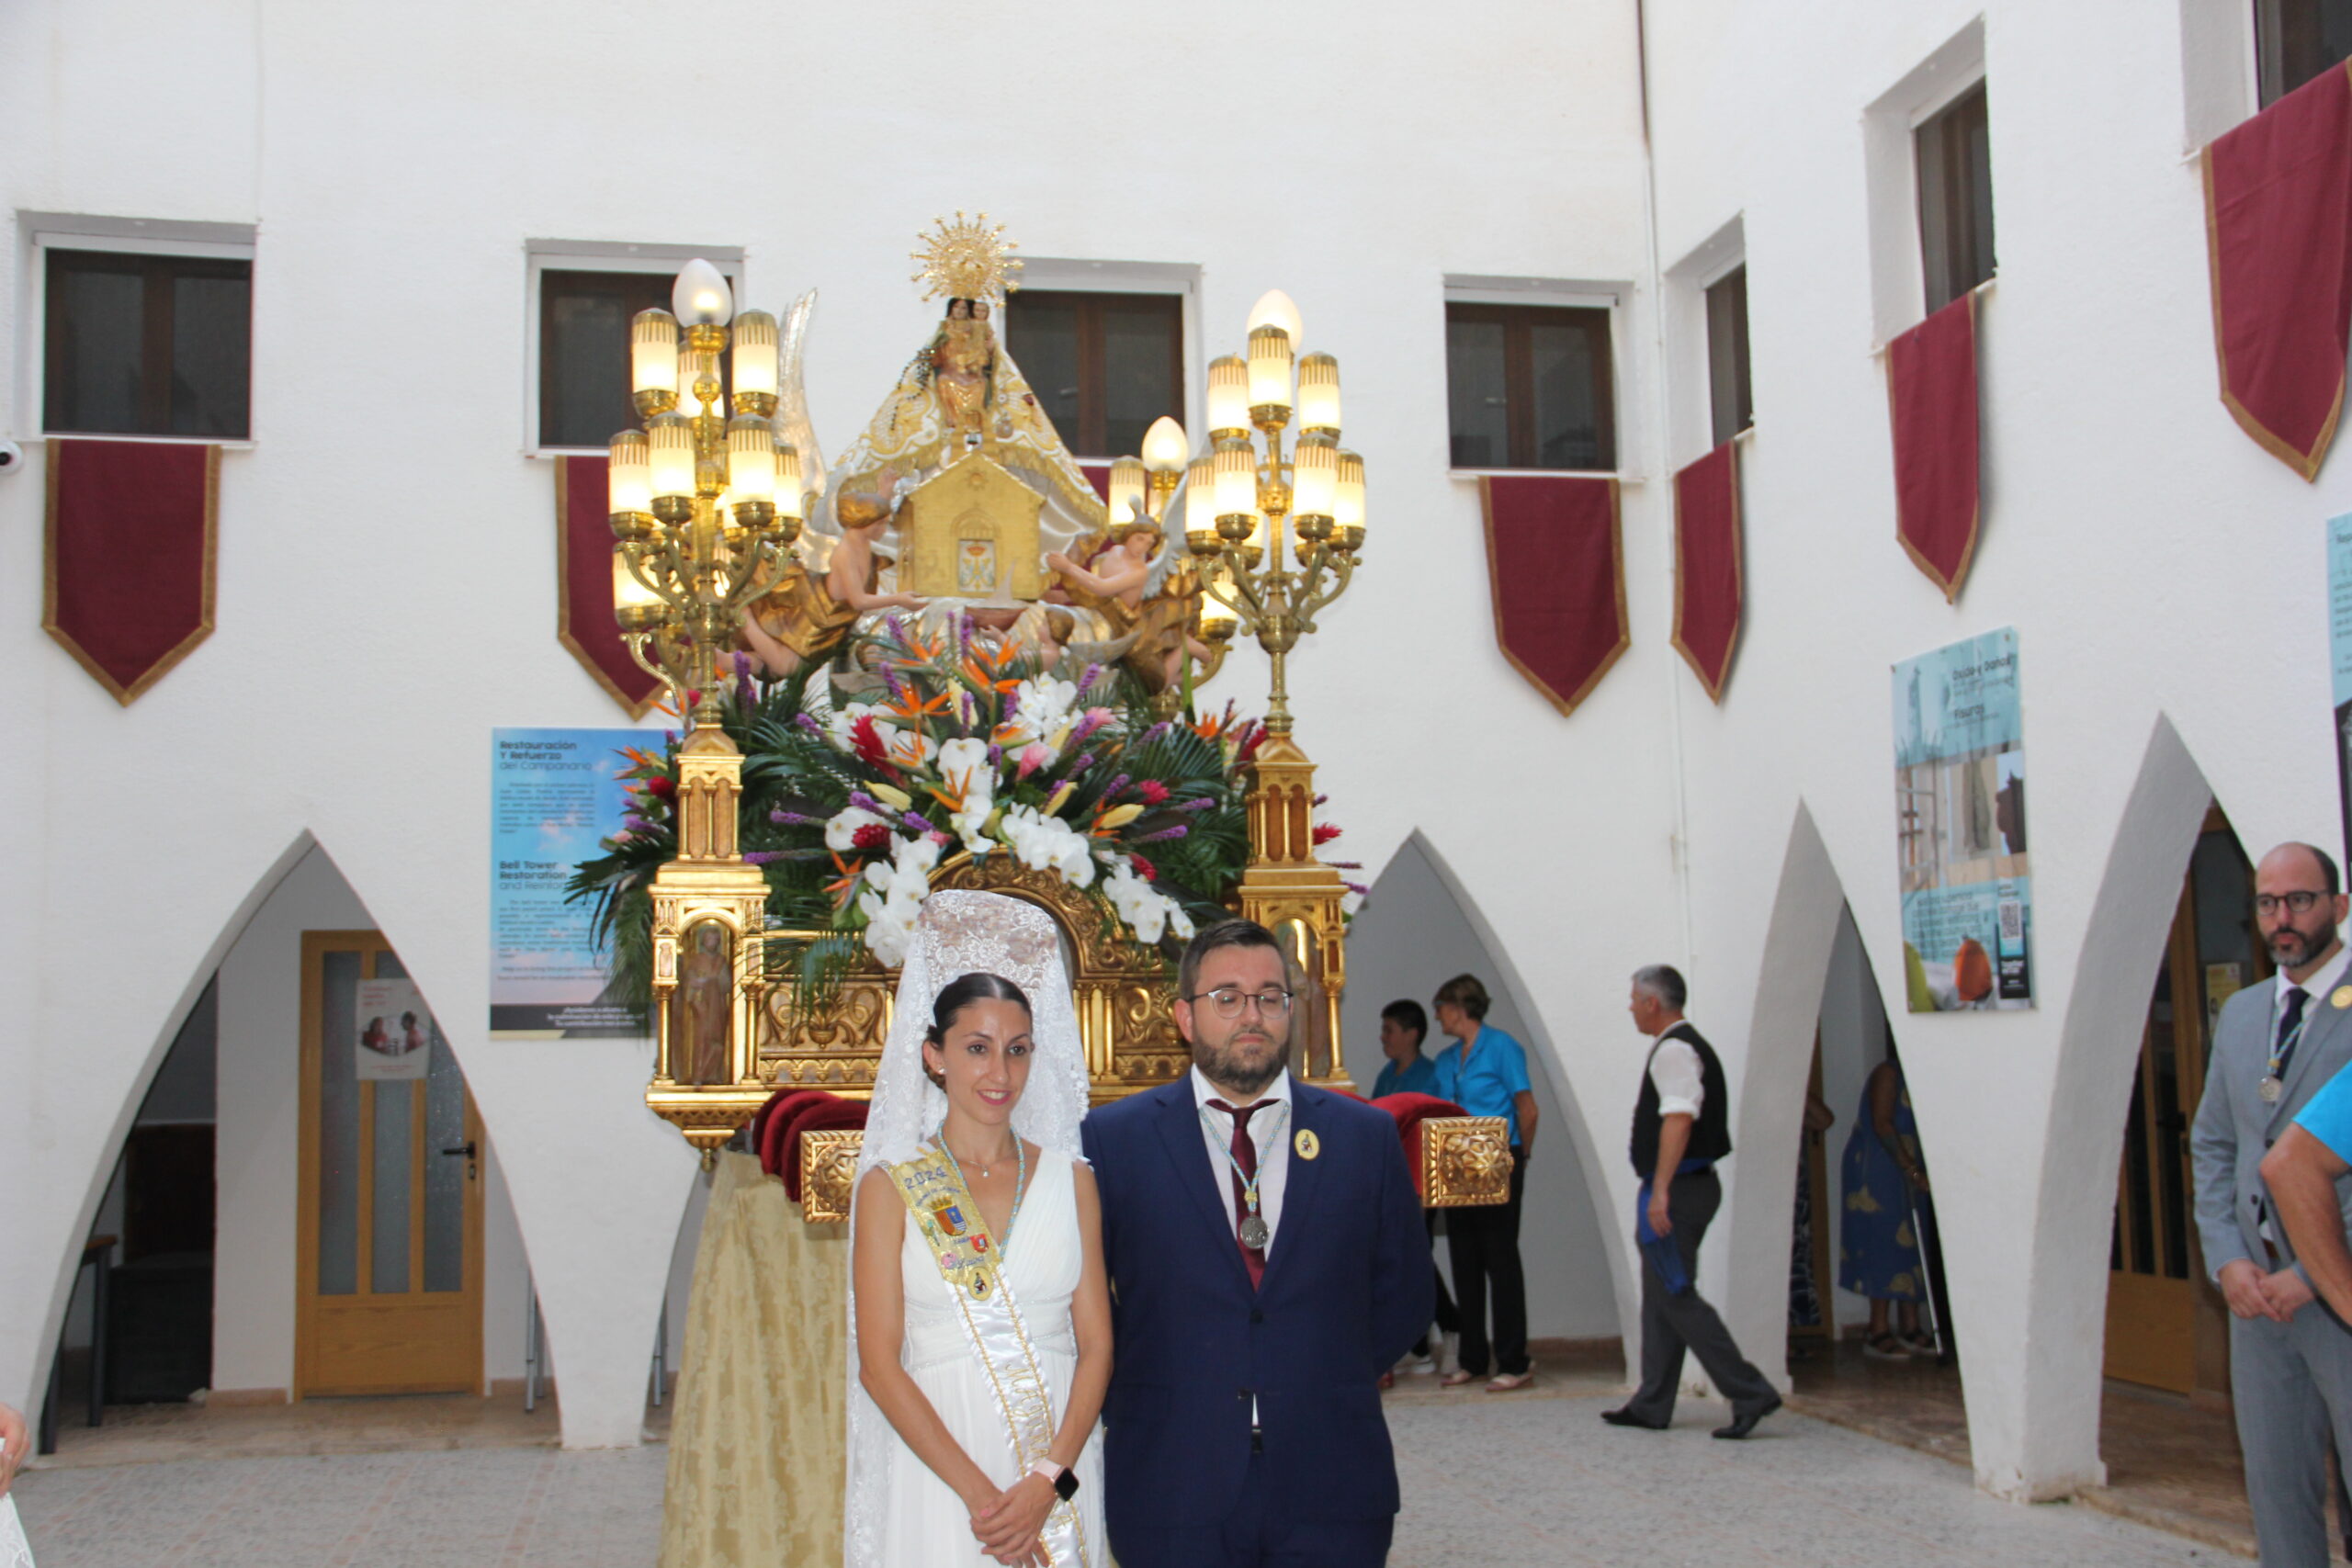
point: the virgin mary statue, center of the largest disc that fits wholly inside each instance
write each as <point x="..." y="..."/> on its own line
<point x="960" y="396"/>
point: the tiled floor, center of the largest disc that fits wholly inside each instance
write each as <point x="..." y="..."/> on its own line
<point x="1529" y="1480"/>
<point x="542" y="1508"/>
<point x="2169" y="1462"/>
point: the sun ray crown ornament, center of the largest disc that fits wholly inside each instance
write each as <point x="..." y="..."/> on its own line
<point x="966" y="258"/>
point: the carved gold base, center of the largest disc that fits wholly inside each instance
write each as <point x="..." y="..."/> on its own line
<point x="1465" y="1161"/>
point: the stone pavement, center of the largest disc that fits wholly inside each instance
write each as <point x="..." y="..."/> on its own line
<point x="1494" y="1480"/>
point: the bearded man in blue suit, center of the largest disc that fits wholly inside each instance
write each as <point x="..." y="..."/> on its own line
<point x="1267" y="1263"/>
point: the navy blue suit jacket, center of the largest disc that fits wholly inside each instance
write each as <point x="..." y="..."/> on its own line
<point x="1347" y="1289"/>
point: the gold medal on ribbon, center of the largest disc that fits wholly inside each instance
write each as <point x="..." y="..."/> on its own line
<point x="2341" y="997"/>
<point x="1309" y="1146"/>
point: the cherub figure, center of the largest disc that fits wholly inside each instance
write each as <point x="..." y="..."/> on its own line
<point x="1119" y="570"/>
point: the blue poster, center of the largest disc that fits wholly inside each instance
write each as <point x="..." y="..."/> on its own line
<point x="2339" y="655"/>
<point x="1960" y="820"/>
<point x="554" y="794"/>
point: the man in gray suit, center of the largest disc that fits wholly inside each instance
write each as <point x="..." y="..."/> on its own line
<point x="2278" y="1045"/>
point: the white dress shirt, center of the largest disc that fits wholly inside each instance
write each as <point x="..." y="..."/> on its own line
<point x="1269" y="1130"/>
<point x="1674" y="1069"/>
<point x="2323" y="980"/>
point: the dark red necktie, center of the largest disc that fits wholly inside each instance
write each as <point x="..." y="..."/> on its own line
<point x="1244" y="1170"/>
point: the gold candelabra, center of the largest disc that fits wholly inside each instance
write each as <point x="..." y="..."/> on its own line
<point x="705" y="507"/>
<point x="1276" y="536"/>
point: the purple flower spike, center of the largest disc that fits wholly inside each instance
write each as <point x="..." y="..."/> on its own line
<point x="1199" y="803"/>
<point x="1011" y="704"/>
<point x="1359" y="889"/>
<point x="808" y="722"/>
<point x="1177" y="831"/>
<point x="1321" y="798"/>
<point x="996" y="756"/>
<point x="865" y="801"/>
<point x="1110" y="791"/>
<point x="742" y="665"/>
<point x="915" y="822"/>
<point x="794" y="819"/>
<point x="762" y="857"/>
<point x="1086" y="681"/>
<point x="1081" y="765"/>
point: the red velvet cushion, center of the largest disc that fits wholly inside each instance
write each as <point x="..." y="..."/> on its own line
<point x="769" y="1144"/>
<point x="766" y="1114"/>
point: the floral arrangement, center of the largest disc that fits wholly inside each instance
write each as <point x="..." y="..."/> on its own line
<point x="958" y="744"/>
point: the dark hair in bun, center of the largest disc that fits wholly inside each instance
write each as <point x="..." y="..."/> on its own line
<point x="961" y="993"/>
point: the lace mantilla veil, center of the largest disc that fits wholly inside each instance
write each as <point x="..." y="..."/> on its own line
<point x="959" y="933"/>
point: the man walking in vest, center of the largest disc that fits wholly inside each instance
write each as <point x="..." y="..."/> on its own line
<point x="1682" y="1127"/>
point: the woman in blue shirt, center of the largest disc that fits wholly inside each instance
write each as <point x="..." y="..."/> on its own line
<point x="1485" y="1072"/>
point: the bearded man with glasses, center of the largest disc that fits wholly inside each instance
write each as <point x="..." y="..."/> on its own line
<point x="1267" y="1264"/>
<point x="2275" y="1045"/>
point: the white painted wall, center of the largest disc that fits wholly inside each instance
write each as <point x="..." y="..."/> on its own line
<point x="1410" y="937"/>
<point x="387" y="558"/>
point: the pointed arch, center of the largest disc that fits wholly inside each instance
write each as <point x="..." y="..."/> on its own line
<point x="1799" y="940"/>
<point x="2099" y="1049"/>
<point x="64" y="1242"/>
<point x="1512" y="995"/>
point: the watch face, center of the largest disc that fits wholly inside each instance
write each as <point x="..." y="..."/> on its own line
<point x="1065" y="1484"/>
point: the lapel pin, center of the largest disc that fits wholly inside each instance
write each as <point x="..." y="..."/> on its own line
<point x="1309" y="1146"/>
<point x="2342" y="998"/>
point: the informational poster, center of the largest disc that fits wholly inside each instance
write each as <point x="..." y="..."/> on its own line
<point x="555" y="794"/>
<point x="1960" y="827"/>
<point x="2339" y="655"/>
<point x="395" y="1031"/>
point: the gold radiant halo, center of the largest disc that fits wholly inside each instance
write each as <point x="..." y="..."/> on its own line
<point x="967" y="258"/>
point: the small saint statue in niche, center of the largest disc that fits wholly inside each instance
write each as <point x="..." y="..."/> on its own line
<point x="700" y="1006"/>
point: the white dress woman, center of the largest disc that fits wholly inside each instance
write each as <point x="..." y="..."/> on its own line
<point x="979" y="1331"/>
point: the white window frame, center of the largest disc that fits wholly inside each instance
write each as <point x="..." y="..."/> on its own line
<point x="45" y="232"/>
<point x="1076" y="274"/>
<point x="1689" y="370"/>
<point x="1624" y="381"/>
<point x="543" y="257"/>
<point x="1891" y="166"/>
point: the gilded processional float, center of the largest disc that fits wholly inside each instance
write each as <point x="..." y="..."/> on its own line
<point x="946" y="661"/>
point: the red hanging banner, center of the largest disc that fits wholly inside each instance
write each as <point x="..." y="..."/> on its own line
<point x="1707" y="565"/>
<point x="132" y="537"/>
<point x="2278" y="235"/>
<point x="1558" y="568"/>
<point x="1931" y="387"/>
<point x="583" y="569"/>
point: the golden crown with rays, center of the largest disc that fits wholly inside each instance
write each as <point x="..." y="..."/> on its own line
<point x="967" y="258"/>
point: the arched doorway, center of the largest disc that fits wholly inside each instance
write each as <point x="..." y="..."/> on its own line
<point x="1417" y="931"/>
<point x="2166" y="1326"/>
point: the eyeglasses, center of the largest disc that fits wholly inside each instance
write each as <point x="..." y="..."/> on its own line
<point x="1228" y="1001"/>
<point x="2299" y="902"/>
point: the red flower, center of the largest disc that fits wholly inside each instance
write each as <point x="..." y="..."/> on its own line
<point x="662" y="785"/>
<point x="1325" y="832"/>
<point x="867" y="742"/>
<point x="1144" y="868"/>
<point x="1154" y="793"/>
<point x="873" y="838"/>
<point x="1248" y="751"/>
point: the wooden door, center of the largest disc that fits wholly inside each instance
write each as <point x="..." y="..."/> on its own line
<point x="389" y="1253"/>
<point x="2156" y="1289"/>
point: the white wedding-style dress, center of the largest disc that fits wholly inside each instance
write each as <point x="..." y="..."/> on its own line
<point x="925" y="1523"/>
<point x="897" y="1513"/>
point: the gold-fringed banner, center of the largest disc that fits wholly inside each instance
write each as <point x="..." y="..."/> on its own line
<point x="132" y="542"/>
<point x="1556" y="559"/>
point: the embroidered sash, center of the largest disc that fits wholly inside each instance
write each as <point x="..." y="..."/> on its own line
<point x="970" y="1263"/>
